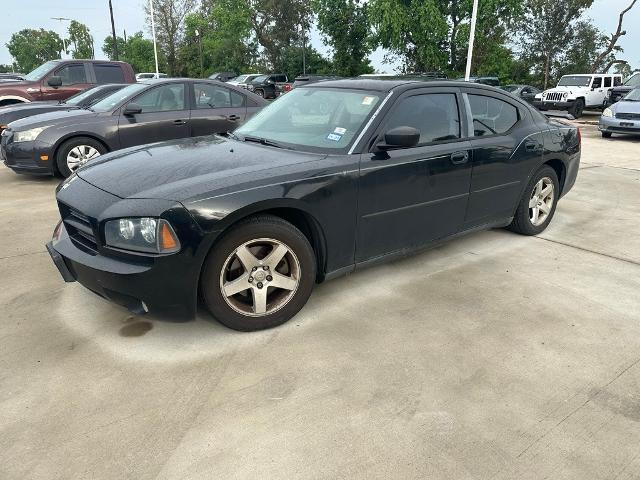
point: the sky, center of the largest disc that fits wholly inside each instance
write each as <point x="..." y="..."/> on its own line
<point x="129" y="16"/>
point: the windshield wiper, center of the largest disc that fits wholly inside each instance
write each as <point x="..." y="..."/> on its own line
<point x="262" y="141"/>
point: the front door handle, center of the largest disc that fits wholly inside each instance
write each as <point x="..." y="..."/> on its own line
<point x="531" y="146"/>
<point x="233" y="118"/>
<point x="458" y="158"/>
<point x="179" y="122"/>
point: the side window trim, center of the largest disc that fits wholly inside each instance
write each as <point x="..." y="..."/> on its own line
<point x="71" y="64"/>
<point x="482" y="93"/>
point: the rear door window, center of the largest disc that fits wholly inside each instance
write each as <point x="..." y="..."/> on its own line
<point x="607" y="82"/>
<point x="597" y="82"/>
<point x="492" y="116"/>
<point x="106" y="73"/>
<point x="215" y="96"/>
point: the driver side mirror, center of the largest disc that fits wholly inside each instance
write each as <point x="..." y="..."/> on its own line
<point x="132" y="109"/>
<point x="400" y="137"/>
<point x="54" y="81"/>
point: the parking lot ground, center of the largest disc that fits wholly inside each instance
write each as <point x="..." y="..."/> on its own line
<point x="494" y="356"/>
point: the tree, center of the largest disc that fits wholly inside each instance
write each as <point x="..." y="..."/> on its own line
<point x="81" y="40"/>
<point x="291" y="58"/>
<point x="278" y="24"/>
<point x="136" y="50"/>
<point x="31" y="48"/>
<point x="582" y="51"/>
<point x="169" y="23"/>
<point x="605" y="60"/>
<point x="345" y="27"/>
<point x="547" y="28"/>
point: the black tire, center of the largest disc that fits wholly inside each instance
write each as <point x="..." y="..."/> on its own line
<point x="217" y="264"/>
<point x="66" y="147"/>
<point x="606" y="134"/>
<point x="522" y="222"/>
<point x="577" y="108"/>
<point x="261" y="93"/>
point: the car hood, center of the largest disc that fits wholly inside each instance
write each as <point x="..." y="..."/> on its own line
<point x="564" y="89"/>
<point x="58" y="117"/>
<point x="626" y="107"/>
<point x="189" y="169"/>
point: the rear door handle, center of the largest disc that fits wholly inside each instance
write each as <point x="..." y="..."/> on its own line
<point x="458" y="158"/>
<point x="179" y="122"/>
<point x="531" y="146"/>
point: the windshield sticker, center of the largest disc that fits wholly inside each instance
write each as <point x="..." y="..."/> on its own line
<point x="334" y="137"/>
<point x="368" y="100"/>
<point x="340" y="130"/>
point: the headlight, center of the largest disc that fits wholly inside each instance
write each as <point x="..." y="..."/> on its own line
<point x="27" y="135"/>
<point x="565" y="95"/>
<point x="607" y="113"/>
<point x="151" y="235"/>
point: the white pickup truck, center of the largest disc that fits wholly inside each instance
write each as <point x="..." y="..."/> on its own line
<point x="575" y="93"/>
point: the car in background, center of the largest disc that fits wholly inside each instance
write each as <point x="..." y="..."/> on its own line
<point x="525" y="92"/>
<point x="144" y="112"/>
<point x="407" y="76"/>
<point x="332" y="177"/>
<point x="61" y="79"/>
<point x="619" y="91"/>
<point x="149" y="76"/>
<point x="222" y="76"/>
<point x="9" y="77"/>
<point x="269" y="86"/>
<point x="244" y="80"/>
<point x="302" y="80"/>
<point x="491" y="81"/>
<point x="622" y="117"/>
<point x="575" y="93"/>
<point x="91" y="95"/>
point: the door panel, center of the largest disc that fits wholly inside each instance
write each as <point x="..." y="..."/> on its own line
<point x="164" y="117"/>
<point x="411" y="196"/>
<point x="216" y="109"/>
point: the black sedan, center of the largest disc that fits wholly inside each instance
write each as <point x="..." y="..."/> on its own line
<point x="84" y="99"/>
<point x="525" y="92"/>
<point x="332" y="177"/>
<point x="144" y="112"/>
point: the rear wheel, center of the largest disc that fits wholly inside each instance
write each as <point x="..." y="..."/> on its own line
<point x="577" y="108"/>
<point x="75" y="152"/>
<point x="261" y="93"/>
<point x="259" y="275"/>
<point x="538" y="204"/>
<point x="606" y="134"/>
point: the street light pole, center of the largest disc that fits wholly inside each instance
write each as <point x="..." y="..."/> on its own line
<point x="153" y="32"/>
<point x="472" y="37"/>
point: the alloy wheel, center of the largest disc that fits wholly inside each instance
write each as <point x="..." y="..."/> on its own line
<point x="541" y="201"/>
<point x="79" y="155"/>
<point x="260" y="277"/>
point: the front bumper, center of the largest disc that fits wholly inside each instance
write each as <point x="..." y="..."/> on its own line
<point x="25" y="157"/>
<point x="542" y="105"/>
<point x="618" y="125"/>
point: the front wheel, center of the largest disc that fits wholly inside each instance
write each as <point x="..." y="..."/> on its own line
<point x="75" y="152"/>
<point x="538" y="204"/>
<point x="577" y="108"/>
<point x="259" y="275"/>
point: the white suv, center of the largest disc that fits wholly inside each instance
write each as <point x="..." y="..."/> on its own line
<point x="574" y="93"/>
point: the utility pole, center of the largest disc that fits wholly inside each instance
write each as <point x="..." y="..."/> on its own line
<point x="197" y="33"/>
<point x="304" y="49"/>
<point x="472" y="37"/>
<point x="113" y="33"/>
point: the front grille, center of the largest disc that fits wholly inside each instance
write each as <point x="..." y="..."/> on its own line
<point x="628" y="116"/>
<point x="80" y="228"/>
<point x="553" y="97"/>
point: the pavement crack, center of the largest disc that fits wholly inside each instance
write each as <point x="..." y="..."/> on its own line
<point x="613" y="257"/>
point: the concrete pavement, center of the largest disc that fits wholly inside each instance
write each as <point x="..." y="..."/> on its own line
<point x="494" y="356"/>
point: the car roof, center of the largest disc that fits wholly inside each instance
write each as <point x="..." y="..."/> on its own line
<point x="380" y="85"/>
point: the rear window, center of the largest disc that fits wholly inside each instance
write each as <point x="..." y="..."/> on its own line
<point x="108" y="74"/>
<point x="491" y="116"/>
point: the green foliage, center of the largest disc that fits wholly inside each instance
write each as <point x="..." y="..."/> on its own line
<point x="345" y="27"/>
<point x="137" y="51"/>
<point x="81" y="40"/>
<point x="582" y="51"/>
<point x="31" y="48"/>
<point x="6" y="68"/>
<point x="291" y="62"/>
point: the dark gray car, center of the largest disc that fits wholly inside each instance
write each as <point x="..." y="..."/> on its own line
<point x="524" y="92"/>
<point x="145" y="112"/>
<point x="84" y="99"/>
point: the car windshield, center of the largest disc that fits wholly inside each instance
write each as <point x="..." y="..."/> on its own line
<point x="633" y="96"/>
<point x="312" y="119"/>
<point x="260" y="79"/>
<point x="574" y="81"/>
<point x="40" y="72"/>
<point x="115" y="99"/>
<point x="633" y="81"/>
<point x="80" y="97"/>
<point x="240" y="78"/>
<point x="510" y="88"/>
